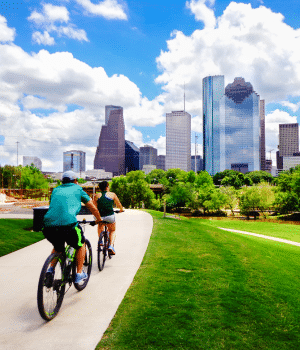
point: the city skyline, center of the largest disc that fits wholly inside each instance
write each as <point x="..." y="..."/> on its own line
<point x="61" y="62"/>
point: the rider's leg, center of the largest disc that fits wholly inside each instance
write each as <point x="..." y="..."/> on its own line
<point x="112" y="233"/>
<point x="80" y="256"/>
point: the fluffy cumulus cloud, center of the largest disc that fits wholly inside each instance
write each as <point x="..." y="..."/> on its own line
<point x="254" y="43"/>
<point x="203" y="11"/>
<point x="51" y="103"/>
<point x="54" y="19"/>
<point x="109" y="9"/>
<point x="6" y="33"/>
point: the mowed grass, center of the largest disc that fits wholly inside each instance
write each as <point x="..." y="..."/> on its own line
<point x="277" y="229"/>
<point x="202" y="288"/>
<point x="16" y="234"/>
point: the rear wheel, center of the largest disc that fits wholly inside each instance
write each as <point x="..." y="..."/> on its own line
<point x="51" y="287"/>
<point x="101" y="253"/>
<point x="87" y="266"/>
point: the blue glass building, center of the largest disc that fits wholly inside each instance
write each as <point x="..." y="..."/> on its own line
<point x="231" y="126"/>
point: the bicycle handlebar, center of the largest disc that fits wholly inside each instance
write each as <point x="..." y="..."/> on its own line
<point x="93" y="222"/>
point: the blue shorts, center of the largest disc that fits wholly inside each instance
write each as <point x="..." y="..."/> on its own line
<point x="110" y="218"/>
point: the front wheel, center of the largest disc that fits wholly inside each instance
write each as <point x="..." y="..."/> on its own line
<point x="101" y="253"/>
<point x="87" y="266"/>
<point x="51" y="287"/>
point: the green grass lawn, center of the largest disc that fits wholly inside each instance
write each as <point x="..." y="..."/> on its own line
<point x="275" y="229"/>
<point x="202" y="288"/>
<point x="16" y="234"/>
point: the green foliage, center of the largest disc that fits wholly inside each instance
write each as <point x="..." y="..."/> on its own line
<point x="237" y="180"/>
<point x="260" y="176"/>
<point x="180" y="194"/>
<point x="156" y="176"/>
<point x="32" y="178"/>
<point x="231" y="197"/>
<point x="28" y="177"/>
<point x="120" y="186"/>
<point x="258" y="197"/>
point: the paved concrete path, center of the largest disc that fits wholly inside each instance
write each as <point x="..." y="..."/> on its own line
<point x="85" y="315"/>
<point x="262" y="236"/>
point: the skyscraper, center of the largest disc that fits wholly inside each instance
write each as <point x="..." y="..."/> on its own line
<point x="178" y="140"/>
<point x="161" y="162"/>
<point x="74" y="160"/>
<point x="263" y="163"/>
<point x="148" y="156"/>
<point x="132" y="156"/>
<point x="288" y="139"/>
<point x="108" y="109"/>
<point x="232" y="126"/>
<point x="110" y="153"/>
<point x="288" y="143"/>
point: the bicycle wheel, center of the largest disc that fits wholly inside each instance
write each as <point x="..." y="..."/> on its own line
<point x="101" y="253"/>
<point x="51" y="288"/>
<point x="87" y="266"/>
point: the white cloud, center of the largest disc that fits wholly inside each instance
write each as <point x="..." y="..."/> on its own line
<point x="203" y="12"/>
<point x="109" y="9"/>
<point x="36" y="92"/>
<point x="50" y="14"/>
<point x="47" y="20"/>
<point x="6" y="33"/>
<point x="43" y="38"/>
<point x="293" y="106"/>
<point x="253" y="43"/>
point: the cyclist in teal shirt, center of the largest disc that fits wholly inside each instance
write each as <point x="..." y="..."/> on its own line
<point x="60" y="222"/>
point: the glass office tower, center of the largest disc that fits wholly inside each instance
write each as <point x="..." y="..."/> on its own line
<point x="231" y="126"/>
<point x="74" y="160"/>
<point x="213" y="91"/>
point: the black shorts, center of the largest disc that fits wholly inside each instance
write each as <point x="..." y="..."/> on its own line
<point x="59" y="235"/>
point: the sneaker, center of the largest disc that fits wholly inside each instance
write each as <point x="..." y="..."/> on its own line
<point x="111" y="250"/>
<point x="49" y="277"/>
<point x="80" y="277"/>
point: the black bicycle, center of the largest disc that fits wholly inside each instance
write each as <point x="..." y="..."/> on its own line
<point x="52" y="286"/>
<point x="103" y="244"/>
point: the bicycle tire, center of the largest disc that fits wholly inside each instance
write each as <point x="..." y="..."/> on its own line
<point x="87" y="266"/>
<point x="101" y="253"/>
<point x="51" y="291"/>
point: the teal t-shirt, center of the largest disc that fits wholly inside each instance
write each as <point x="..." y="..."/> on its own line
<point x="65" y="204"/>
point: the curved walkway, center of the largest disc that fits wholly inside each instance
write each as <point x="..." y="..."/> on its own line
<point x="85" y="315"/>
<point x="262" y="236"/>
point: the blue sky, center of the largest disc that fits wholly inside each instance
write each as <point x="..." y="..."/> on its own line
<point x="62" y="61"/>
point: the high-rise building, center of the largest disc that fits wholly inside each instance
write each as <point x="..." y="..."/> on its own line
<point x="161" y="162"/>
<point x="232" y="126"/>
<point x="110" y="153"/>
<point x="262" y="147"/>
<point x="74" y="160"/>
<point x="178" y="140"/>
<point x="148" y="156"/>
<point x="199" y="163"/>
<point x="132" y="156"/>
<point x="288" y="139"/>
<point x="288" y="144"/>
<point x="108" y="109"/>
<point x="27" y="160"/>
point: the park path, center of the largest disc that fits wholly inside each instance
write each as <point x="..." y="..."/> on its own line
<point x="85" y="315"/>
<point x="262" y="236"/>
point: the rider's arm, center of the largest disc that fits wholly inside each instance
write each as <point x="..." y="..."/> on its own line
<point x="118" y="203"/>
<point x="93" y="209"/>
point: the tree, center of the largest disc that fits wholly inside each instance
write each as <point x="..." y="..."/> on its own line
<point x="120" y="186"/>
<point x="258" y="197"/>
<point x="260" y="176"/>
